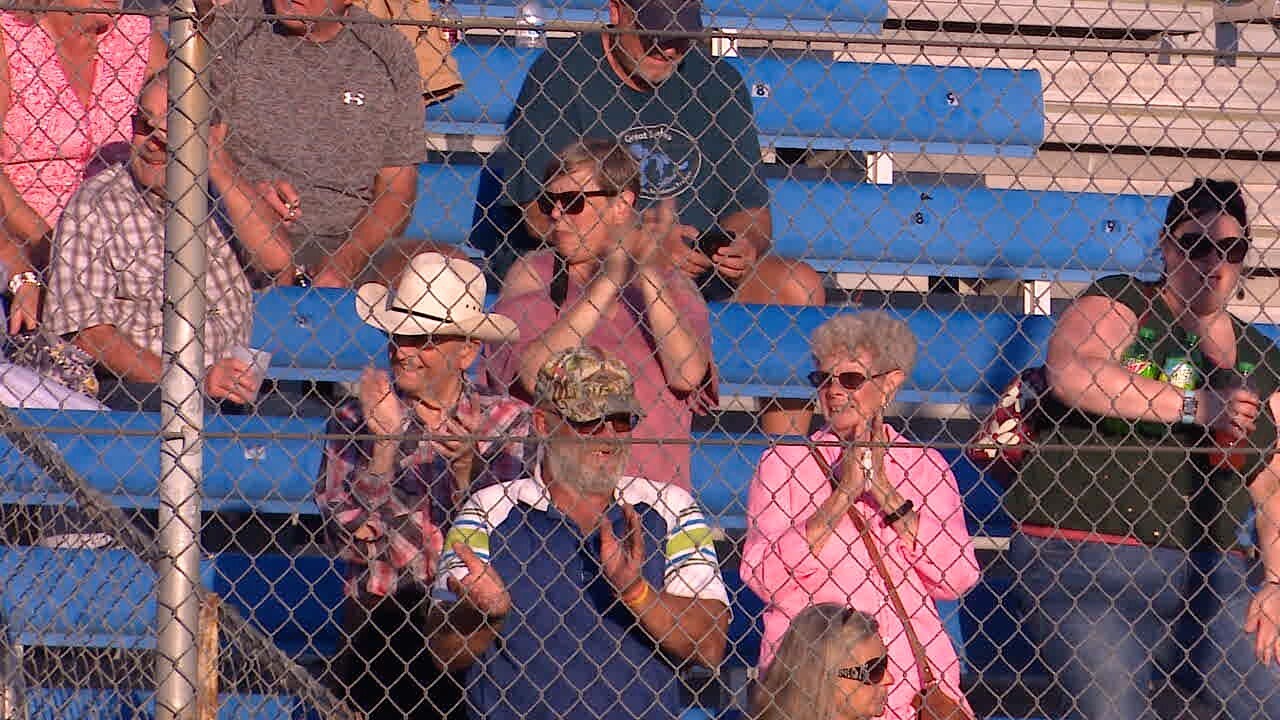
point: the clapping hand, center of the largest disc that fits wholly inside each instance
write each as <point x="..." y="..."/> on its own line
<point x="382" y="411"/>
<point x="480" y="589"/>
<point x="623" y="560"/>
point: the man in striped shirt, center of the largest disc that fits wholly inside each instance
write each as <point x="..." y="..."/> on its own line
<point x="578" y="591"/>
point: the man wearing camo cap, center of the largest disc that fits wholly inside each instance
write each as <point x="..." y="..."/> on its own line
<point x="575" y="592"/>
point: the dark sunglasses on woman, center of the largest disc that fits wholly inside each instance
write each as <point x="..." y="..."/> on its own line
<point x="848" y="380"/>
<point x="1198" y="246"/>
<point x="868" y="673"/>
<point x="570" y="203"/>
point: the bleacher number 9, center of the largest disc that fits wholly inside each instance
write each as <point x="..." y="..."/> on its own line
<point x="760" y="90"/>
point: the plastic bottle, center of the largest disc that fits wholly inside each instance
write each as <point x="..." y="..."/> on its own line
<point x="531" y="18"/>
<point x="1221" y="456"/>
<point x="446" y="12"/>
<point x="1180" y="368"/>
<point x="1139" y="360"/>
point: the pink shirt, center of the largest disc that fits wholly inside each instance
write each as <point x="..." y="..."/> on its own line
<point x="49" y="138"/>
<point x="625" y="334"/>
<point x="778" y="565"/>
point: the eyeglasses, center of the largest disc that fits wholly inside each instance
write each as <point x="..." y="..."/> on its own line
<point x="620" y="424"/>
<point x="570" y="203"/>
<point x="848" y="380"/>
<point x="143" y="126"/>
<point x="1198" y="246"/>
<point x="869" y="673"/>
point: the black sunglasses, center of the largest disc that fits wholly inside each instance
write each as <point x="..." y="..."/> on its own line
<point x="570" y="203"/>
<point x="142" y="125"/>
<point x="658" y="44"/>
<point x="1198" y="246"/>
<point x="869" y="673"/>
<point x="848" y="380"/>
<point x="620" y="423"/>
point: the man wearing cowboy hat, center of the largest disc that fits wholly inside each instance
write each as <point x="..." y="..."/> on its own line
<point x="389" y="500"/>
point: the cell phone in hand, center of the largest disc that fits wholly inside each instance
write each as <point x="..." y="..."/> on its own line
<point x="712" y="240"/>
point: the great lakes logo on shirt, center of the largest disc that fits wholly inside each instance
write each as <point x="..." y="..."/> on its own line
<point x="669" y="159"/>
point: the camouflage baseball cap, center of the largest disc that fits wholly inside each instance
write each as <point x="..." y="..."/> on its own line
<point x="584" y="384"/>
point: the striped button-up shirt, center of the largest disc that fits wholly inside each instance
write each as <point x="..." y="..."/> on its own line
<point x="403" y="517"/>
<point x="108" y="269"/>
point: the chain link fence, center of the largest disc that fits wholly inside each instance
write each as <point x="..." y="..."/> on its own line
<point x="918" y="309"/>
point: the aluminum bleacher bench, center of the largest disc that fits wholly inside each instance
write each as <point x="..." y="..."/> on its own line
<point x="824" y="16"/>
<point x="883" y="107"/>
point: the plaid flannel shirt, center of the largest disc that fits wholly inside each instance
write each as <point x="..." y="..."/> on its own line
<point x="405" y="516"/>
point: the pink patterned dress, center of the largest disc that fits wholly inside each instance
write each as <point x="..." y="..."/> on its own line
<point x="49" y="137"/>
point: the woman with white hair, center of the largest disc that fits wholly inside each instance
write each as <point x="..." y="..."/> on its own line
<point x="823" y="517"/>
<point x="830" y="665"/>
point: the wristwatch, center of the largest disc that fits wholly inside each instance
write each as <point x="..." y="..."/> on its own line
<point x="23" y="278"/>
<point x="1190" y="404"/>
<point x="301" y="278"/>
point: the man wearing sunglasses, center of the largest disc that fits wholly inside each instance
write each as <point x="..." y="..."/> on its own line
<point x="577" y="592"/>
<point x="650" y="84"/>
<point x="106" y="284"/>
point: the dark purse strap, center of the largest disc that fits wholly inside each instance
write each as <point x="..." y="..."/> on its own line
<point x="559" y="282"/>
<point x="927" y="677"/>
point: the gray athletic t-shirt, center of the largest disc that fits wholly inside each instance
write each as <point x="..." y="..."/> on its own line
<point x="324" y="116"/>
<point x="694" y="135"/>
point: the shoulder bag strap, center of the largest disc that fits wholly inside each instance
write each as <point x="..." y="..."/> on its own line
<point x="927" y="678"/>
<point x="559" y="282"/>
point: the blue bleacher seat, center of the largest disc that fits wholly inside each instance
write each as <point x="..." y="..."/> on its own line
<point x="884" y="107"/>
<point x="965" y="357"/>
<point x="81" y="598"/>
<point x="106" y="598"/>
<point x="265" y="472"/>
<point x="901" y="229"/>
<point x="826" y="16"/>
<point x="761" y="351"/>
<point x="101" y="704"/>
<point x="971" y="232"/>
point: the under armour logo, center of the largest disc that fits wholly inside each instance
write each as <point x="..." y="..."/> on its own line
<point x="352" y="98"/>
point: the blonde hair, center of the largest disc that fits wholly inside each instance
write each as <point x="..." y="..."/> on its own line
<point x="889" y="341"/>
<point x="611" y="164"/>
<point x="800" y="682"/>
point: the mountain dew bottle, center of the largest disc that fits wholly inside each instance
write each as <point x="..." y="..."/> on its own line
<point x="1180" y="369"/>
<point x="1138" y="359"/>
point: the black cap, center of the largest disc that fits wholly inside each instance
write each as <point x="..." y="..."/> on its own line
<point x="1206" y="198"/>
<point x="667" y="15"/>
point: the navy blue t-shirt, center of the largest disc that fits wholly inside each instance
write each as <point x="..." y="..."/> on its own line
<point x="694" y="136"/>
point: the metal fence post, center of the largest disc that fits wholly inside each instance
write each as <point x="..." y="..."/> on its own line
<point x="182" y="412"/>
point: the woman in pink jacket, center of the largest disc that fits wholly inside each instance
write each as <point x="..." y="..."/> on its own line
<point x="802" y="547"/>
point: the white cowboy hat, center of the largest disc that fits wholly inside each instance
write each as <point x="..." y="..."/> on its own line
<point x="436" y="295"/>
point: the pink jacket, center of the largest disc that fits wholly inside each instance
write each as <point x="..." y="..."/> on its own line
<point x="778" y="565"/>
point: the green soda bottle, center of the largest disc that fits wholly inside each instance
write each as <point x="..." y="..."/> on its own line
<point x="1180" y="368"/>
<point x="1139" y="360"/>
